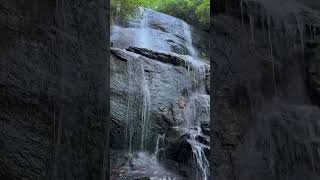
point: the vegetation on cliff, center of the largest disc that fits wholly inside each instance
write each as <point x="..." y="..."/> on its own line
<point x="195" y="12"/>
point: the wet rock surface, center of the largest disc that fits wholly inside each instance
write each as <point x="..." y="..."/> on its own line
<point x="170" y="87"/>
<point x="176" y="117"/>
<point x="162" y="31"/>
<point x="265" y="97"/>
<point x="53" y="90"/>
<point x="313" y="69"/>
<point x="126" y="37"/>
<point x="165" y="82"/>
<point x="160" y="103"/>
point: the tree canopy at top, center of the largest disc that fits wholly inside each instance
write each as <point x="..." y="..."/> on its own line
<point x="196" y="12"/>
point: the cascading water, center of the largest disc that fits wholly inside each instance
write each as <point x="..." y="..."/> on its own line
<point x="188" y="39"/>
<point x="197" y="70"/>
<point x="143" y="35"/>
<point x="193" y="129"/>
<point x="129" y="132"/>
<point x="143" y="160"/>
<point x="160" y="140"/>
<point x="198" y="152"/>
<point x="146" y="112"/>
<point x="137" y="80"/>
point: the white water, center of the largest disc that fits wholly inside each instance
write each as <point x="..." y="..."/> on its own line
<point x="160" y="140"/>
<point x="137" y="82"/>
<point x="188" y="38"/>
<point x="143" y="165"/>
<point x="130" y="100"/>
<point x="143" y="35"/>
<point x="197" y="71"/>
<point x="201" y="162"/>
<point x="193" y="126"/>
<point x="193" y="129"/>
<point x="115" y="31"/>
<point x="198" y="152"/>
<point x="146" y="109"/>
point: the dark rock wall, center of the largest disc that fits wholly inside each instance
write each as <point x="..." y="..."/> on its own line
<point x="312" y="56"/>
<point x="265" y="85"/>
<point x="54" y="105"/>
<point x="53" y="82"/>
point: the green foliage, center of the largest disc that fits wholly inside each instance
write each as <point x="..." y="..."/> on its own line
<point x="195" y="12"/>
<point x="124" y="9"/>
<point x="203" y="13"/>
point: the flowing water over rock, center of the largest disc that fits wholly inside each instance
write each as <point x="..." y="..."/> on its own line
<point x="264" y="115"/>
<point x="188" y="38"/>
<point x="159" y="104"/>
<point x="157" y="31"/>
<point x="143" y="36"/>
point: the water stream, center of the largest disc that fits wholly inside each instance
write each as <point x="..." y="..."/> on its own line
<point x="143" y="34"/>
<point x="138" y="131"/>
<point x="193" y="125"/>
<point x="145" y="124"/>
<point x="137" y="82"/>
<point x="192" y="128"/>
<point x="188" y="38"/>
<point x="198" y="152"/>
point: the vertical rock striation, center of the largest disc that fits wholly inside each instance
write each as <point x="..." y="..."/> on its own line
<point x="53" y="82"/>
<point x="265" y="83"/>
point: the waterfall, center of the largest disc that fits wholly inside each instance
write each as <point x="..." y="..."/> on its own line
<point x="198" y="152"/>
<point x="115" y="31"/>
<point x="160" y="139"/>
<point x="145" y="110"/>
<point x="129" y="131"/>
<point x="188" y="39"/>
<point x="193" y="129"/>
<point x="193" y="125"/>
<point x="137" y="82"/>
<point x="143" y="34"/>
<point x="197" y="70"/>
<point x="146" y="144"/>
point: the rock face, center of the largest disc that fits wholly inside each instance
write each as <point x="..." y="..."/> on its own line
<point x="170" y="85"/>
<point x="53" y="100"/>
<point x="313" y="69"/>
<point x="171" y="80"/>
<point x="265" y="81"/>
<point x="158" y="31"/>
